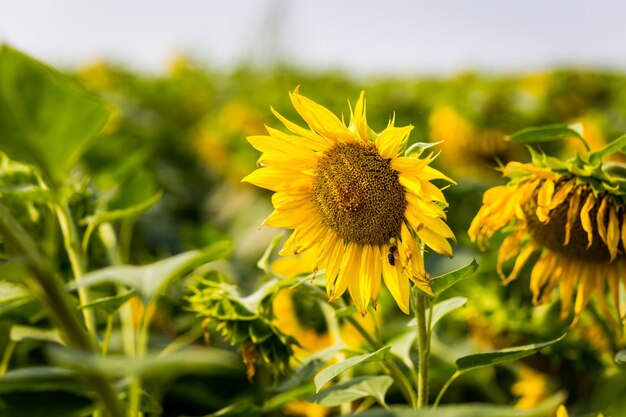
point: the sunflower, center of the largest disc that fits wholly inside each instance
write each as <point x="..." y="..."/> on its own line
<point x="352" y="198"/>
<point x="568" y="215"/>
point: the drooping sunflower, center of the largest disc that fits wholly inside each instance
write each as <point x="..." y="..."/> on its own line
<point x="571" y="216"/>
<point x="353" y="198"/>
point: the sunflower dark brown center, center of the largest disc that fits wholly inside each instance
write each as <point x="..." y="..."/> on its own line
<point x="552" y="234"/>
<point x="358" y="194"/>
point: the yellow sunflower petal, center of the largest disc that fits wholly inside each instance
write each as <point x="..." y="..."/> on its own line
<point x="523" y="256"/>
<point x="391" y="140"/>
<point x="377" y="272"/>
<point x="567" y="281"/>
<point x="541" y="273"/>
<point x="398" y="285"/>
<point x="600" y="218"/>
<point x="358" y="120"/>
<point x="561" y="194"/>
<point x="624" y="232"/>
<point x="360" y="286"/>
<point x="278" y="179"/>
<point x="300" y="131"/>
<point x="435" y="241"/>
<point x="614" y="289"/>
<point x="320" y="119"/>
<point x="291" y="218"/>
<point x="586" y="285"/>
<point x="585" y="219"/>
<point x="333" y="262"/>
<point x="572" y="213"/>
<point x="544" y="200"/>
<point x="509" y="248"/>
<point x="349" y="270"/>
<point x="414" y="166"/>
<point x="612" y="234"/>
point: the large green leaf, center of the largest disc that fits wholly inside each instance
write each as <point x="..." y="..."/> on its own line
<point x="443" y="282"/>
<point x="43" y="378"/>
<point x="46" y="404"/>
<point x="10" y="292"/>
<point x="401" y="346"/>
<point x="152" y="280"/>
<point x="45" y="119"/>
<point x="208" y="361"/>
<point x="110" y="304"/>
<point x="19" y="333"/>
<point x="333" y="370"/>
<point x="500" y="356"/>
<point x="546" y="133"/>
<point x="354" y="389"/>
<point x="544" y="409"/>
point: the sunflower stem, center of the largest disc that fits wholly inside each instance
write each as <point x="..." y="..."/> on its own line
<point x="423" y="346"/>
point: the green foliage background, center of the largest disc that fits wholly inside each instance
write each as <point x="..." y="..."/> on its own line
<point x="159" y="186"/>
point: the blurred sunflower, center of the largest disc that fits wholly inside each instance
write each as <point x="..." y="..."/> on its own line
<point x="351" y="197"/>
<point x="468" y="150"/>
<point x="573" y="213"/>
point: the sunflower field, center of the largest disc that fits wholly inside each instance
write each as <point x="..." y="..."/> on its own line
<point x="281" y="242"/>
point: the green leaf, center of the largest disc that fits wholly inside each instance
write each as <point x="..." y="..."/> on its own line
<point x="207" y="361"/>
<point x="546" y="133"/>
<point x="312" y="364"/>
<point x="401" y="346"/>
<point x="501" y="356"/>
<point x="45" y="119"/>
<point x="19" y="333"/>
<point x="441" y="309"/>
<point x="10" y="293"/>
<point x="58" y="403"/>
<point x="333" y="370"/>
<point x="416" y="149"/>
<point x="354" y="389"/>
<point x="151" y="280"/>
<point x="264" y="262"/>
<point x="346" y="311"/>
<point x="110" y="304"/>
<point x="443" y="282"/>
<point x="618" y="145"/>
<point x="42" y="378"/>
<point x="110" y="216"/>
<point x="546" y="408"/>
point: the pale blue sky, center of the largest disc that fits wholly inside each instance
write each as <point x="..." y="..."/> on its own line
<point x="357" y="36"/>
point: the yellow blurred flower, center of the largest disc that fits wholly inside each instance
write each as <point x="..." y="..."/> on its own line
<point x="466" y="150"/>
<point x="290" y="316"/>
<point x="97" y="75"/>
<point x="305" y="409"/>
<point x="532" y="387"/>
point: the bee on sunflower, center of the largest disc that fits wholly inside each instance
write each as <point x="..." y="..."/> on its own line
<point x="354" y="198"/>
<point x="571" y="213"/>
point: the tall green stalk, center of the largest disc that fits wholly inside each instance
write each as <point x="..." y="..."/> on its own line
<point x="77" y="258"/>
<point x="423" y="345"/>
<point x="52" y="294"/>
